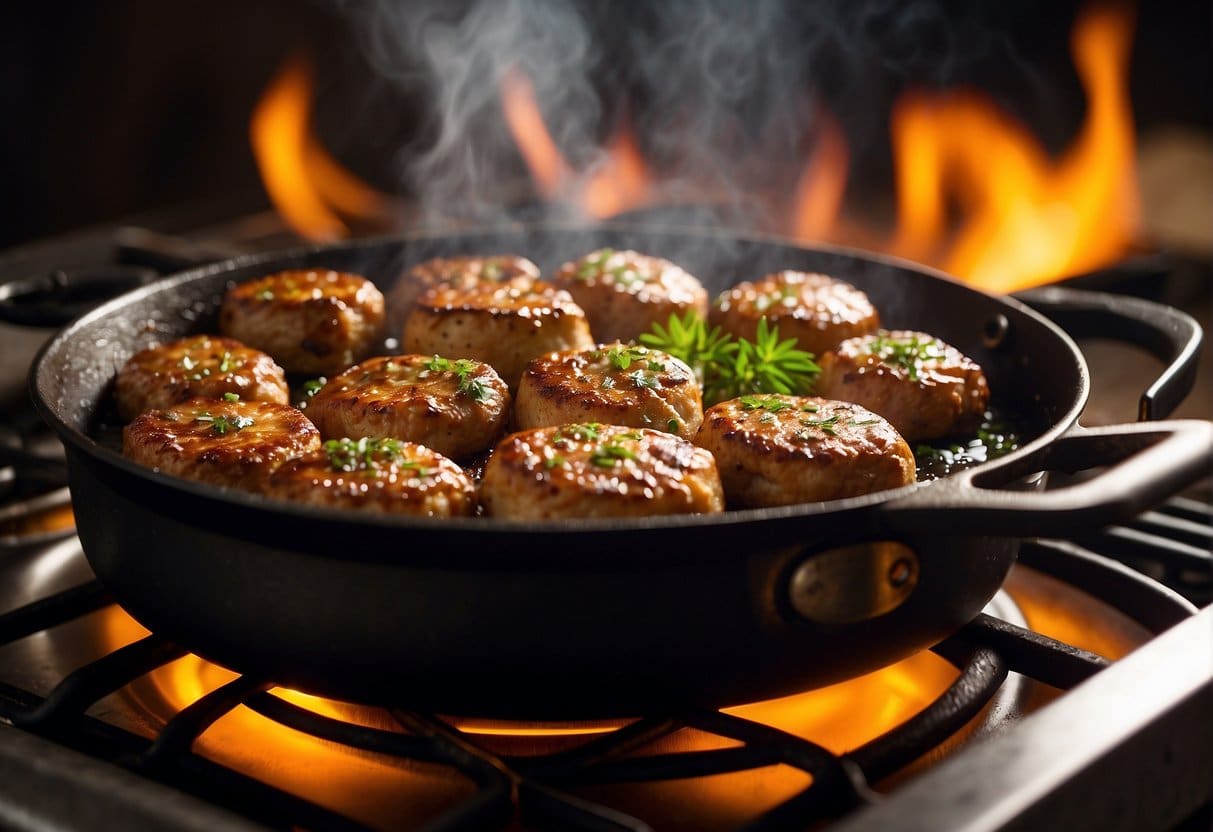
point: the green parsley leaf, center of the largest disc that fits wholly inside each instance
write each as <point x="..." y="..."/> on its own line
<point x="231" y="397"/>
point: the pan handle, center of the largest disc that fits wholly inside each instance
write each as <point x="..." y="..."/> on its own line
<point x="1147" y="462"/>
<point x="1171" y="335"/>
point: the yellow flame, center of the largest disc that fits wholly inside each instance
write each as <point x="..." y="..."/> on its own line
<point x="309" y="188"/>
<point x="619" y="182"/>
<point x="1025" y="218"/>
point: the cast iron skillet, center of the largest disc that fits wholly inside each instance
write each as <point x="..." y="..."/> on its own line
<point x="593" y="618"/>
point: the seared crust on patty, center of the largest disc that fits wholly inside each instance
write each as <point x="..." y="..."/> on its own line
<point x="385" y="476"/>
<point x="617" y="384"/>
<point x="926" y="388"/>
<point x="776" y="450"/>
<point x="236" y="444"/>
<point x="504" y="326"/>
<point x="593" y="470"/>
<point x="311" y="321"/>
<point x="815" y="309"/>
<point x="200" y="366"/>
<point x="624" y="293"/>
<point x="463" y="271"/>
<point x="455" y="407"/>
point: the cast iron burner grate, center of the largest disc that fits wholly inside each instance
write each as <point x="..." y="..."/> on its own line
<point x="536" y="790"/>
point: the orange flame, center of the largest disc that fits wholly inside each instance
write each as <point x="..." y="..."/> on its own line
<point x="620" y="182"/>
<point x="1026" y="219"/>
<point x="818" y="201"/>
<point x="310" y="189"/>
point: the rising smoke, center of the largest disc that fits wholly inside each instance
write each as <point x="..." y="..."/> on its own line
<point x="723" y="94"/>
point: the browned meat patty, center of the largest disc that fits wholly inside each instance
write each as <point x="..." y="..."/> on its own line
<point x="624" y="293"/>
<point x="818" y="311"/>
<point x="456" y="407"/>
<point x="463" y="272"/>
<point x="775" y="450"/>
<point x="593" y="470"/>
<point x="236" y="444"/>
<point x="386" y="476"/>
<point x="616" y="384"/>
<point x="311" y="321"/>
<point x="925" y="387"/>
<point x="201" y="366"/>
<point x="504" y="326"/>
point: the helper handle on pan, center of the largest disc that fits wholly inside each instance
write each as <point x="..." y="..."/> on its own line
<point x="1171" y="335"/>
<point x="1148" y="462"/>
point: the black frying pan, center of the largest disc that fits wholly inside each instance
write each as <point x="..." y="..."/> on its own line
<point x="599" y="618"/>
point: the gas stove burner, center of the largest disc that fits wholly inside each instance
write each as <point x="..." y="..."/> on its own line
<point x="55" y="298"/>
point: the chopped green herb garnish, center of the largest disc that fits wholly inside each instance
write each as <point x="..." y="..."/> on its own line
<point x="367" y="454"/>
<point x="672" y="426"/>
<point x="612" y="453"/>
<point x="623" y="357"/>
<point x="768" y="403"/>
<point x="313" y="385"/>
<point x="470" y="385"/>
<point x="226" y="363"/>
<point x="553" y="461"/>
<point x="594" y="262"/>
<point x="220" y="425"/>
<point x="586" y="432"/>
<point x="231" y="397"/>
<point x="828" y="425"/>
<point x="907" y="353"/>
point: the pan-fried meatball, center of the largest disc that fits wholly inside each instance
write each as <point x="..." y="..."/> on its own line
<point x="775" y="450"/>
<point x="200" y="366"/>
<point x="237" y="444"/>
<point x="310" y="321"/>
<point x="617" y="384"/>
<point x="455" y="407"/>
<point x="377" y="475"/>
<point x="504" y="326"/>
<point x="594" y="470"/>
<point x="456" y="271"/>
<point x="925" y="387"/>
<point x="624" y="293"/>
<point x="818" y="311"/>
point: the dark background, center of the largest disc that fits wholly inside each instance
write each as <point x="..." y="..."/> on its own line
<point x="115" y="109"/>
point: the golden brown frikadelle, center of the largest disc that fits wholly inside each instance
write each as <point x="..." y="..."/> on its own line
<point x="199" y="366"/>
<point x="313" y="321"/>
<point x="385" y="476"/>
<point x="593" y="470"/>
<point x="775" y="450"/>
<point x="925" y="387"/>
<point x="235" y="444"/>
<point x="617" y="384"/>
<point x="463" y="271"/>
<point x="624" y="292"/>
<point x="456" y="407"/>
<point x="817" y="310"/>
<point x="504" y="325"/>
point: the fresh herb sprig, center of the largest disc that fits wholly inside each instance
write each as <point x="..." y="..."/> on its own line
<point x="728" y="367"/>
